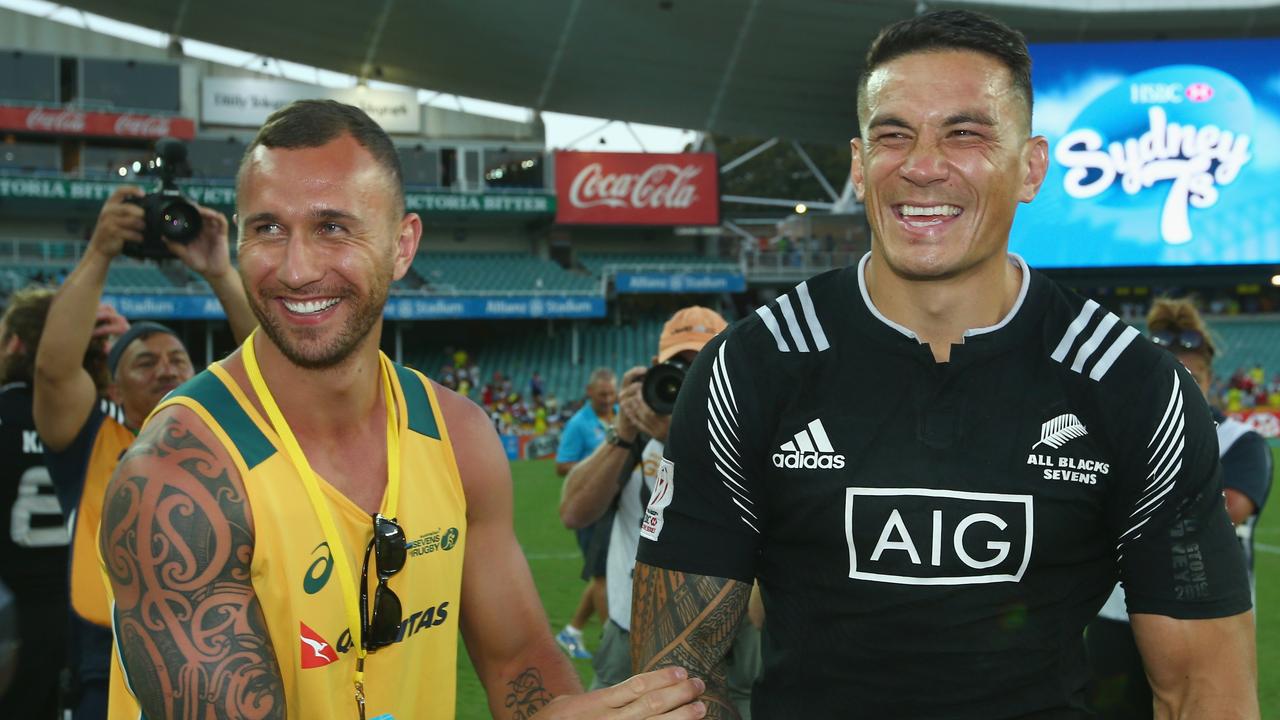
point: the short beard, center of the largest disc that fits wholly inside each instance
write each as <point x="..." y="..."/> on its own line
<point x="353" y="333"/>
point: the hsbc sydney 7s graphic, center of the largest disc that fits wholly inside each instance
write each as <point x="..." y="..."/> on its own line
<point x="925" y="536"/>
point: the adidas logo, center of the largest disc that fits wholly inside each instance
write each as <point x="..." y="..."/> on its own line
<point x="810" y="449"/>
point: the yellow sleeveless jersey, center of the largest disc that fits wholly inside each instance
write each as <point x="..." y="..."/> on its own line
<point x="292" y="568"/>
<point x="88" y="596"/>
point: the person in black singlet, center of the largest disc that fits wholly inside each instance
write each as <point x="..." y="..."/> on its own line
<point x="937" y="462"/>
<point x="33" y="528"/>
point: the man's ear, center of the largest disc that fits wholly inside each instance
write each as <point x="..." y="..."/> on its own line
<point x="856" y="174"/>
<point x="407" y="243"/>
<point x="14" y="346"/>
<point x="1036" y="166"/>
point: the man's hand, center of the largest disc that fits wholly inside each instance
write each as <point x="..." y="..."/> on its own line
<point x="209" y="253"/>
<point x="669" y="694"/>
<point x="634" y="414"/>
<point x="118" y="222"/>
<point x="109" y="323"/>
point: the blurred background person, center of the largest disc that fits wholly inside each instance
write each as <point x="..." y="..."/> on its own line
<point x="1120" y="687"/>
<point x="84" y="434"/>
<point x="33" y="526"/>
<point x="619" y="477"/>
<point x="582" y="434"/>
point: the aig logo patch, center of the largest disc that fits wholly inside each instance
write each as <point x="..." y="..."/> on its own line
<point x="923" y="536"/>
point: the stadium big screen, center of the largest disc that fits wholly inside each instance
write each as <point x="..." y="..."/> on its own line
<point x="1161" y="154"/>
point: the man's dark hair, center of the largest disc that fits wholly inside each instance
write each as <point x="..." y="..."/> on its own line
<point x="312" y="123"/>
<point x="24" y="318"/>
<point x="952" y="30"/>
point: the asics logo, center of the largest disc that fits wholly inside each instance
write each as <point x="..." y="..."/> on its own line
<point x="810" y="449"/>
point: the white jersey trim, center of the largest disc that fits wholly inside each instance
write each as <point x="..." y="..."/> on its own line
<point x="1014" y="258"/>
<point x="795" y="322"/>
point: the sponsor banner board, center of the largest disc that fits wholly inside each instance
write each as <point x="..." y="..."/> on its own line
<point x="165" y="307"/>
<point x="1160" y="153"/>
<point x="1265" y="420"/>
<point x="511" y="446"/>
<point x="405" y="307"/>
<point x="599" y="188"/>
<point x="70" y="121"/>
<point x="224" y="196"/>
<point x="475" y="203"/>
<point x="679" y="282"/>
<point x="248" y="101"/>
<point x="400" y="307"/>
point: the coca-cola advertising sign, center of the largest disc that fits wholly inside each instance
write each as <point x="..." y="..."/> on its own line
<point x="69" y="121"/>
<point x="596" y="188"/>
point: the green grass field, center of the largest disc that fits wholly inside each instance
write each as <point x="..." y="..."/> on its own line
<point x="554" y="558"/>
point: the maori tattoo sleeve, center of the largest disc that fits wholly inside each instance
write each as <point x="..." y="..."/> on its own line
<point x="690" y="621"/>
<point x="177" y="544"/>
<point x="528" y="694"/>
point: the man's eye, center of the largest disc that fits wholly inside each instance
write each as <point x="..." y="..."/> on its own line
<point x="331" y="228"/>
<point x="267" y="229"/>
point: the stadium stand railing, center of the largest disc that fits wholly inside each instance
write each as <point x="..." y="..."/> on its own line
<point x="606" y="264"/>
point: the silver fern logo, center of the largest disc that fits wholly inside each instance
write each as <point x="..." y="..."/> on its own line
<point x="1059" y="431"/>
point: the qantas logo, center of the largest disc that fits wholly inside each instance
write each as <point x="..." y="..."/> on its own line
<point x="315" y="651"/>
<point x="810" y="449"/>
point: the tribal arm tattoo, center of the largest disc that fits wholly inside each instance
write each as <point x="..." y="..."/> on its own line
<point x="177" y="541"/>
<point x="687" y="620"/>
<point x="528" y="694"/>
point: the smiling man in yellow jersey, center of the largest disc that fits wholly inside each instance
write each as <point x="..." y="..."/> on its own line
<point x="302" y="529"/>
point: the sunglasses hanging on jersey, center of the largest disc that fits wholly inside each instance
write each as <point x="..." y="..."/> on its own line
<point x="388" y="550"/>
<point x="1181" y="340"/>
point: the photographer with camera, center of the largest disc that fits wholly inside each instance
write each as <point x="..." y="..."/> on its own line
<point x="84" y="434"/>
<point x="622" y="472"/>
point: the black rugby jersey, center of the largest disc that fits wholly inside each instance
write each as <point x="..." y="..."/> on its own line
<point x="33" y="531"/>
<point x="931" y="539"/>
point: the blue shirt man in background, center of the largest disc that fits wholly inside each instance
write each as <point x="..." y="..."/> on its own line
<point x="582" y="434"/>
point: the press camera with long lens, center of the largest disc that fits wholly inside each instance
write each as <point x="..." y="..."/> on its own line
<point x="168" y="214"/>
<point x="662" y="384"/>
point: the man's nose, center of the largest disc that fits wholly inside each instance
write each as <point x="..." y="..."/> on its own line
<point x="924" y="165"/>
<point x="300" y="265"/>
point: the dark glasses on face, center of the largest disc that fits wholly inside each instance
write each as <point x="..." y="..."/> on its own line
<point x="1182" y="340"/>
<point x="388" y="550"/>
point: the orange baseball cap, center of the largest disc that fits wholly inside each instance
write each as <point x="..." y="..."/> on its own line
<point x="689" y="329"/>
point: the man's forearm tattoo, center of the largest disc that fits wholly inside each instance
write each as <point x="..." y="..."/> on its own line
<point x="177" y="546"/>
<point x="690" y="621"/>
<point x="528" y="694"/>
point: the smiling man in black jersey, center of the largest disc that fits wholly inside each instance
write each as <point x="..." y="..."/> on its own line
<point x="937" y="462"/>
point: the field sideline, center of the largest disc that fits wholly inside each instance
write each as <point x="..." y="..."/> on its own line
<point x="554" y="559"/>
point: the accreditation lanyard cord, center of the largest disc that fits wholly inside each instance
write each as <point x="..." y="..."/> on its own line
<point x="312" y="485"/>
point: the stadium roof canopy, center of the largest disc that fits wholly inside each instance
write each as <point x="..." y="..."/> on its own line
<point x="740" y="67"/>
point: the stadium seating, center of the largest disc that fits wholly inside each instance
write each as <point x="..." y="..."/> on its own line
<point x="464" y="273"/>
<point x="1245" y="342"/>
<point x="129" y="276"/>
<point x="526" y="348"/>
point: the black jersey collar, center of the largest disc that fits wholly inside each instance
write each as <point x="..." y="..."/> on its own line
<point x="984" y="334"/>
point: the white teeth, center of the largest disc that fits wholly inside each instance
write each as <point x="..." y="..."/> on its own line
<point x="310" y="307"/>
<point x="930" y="210"/>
